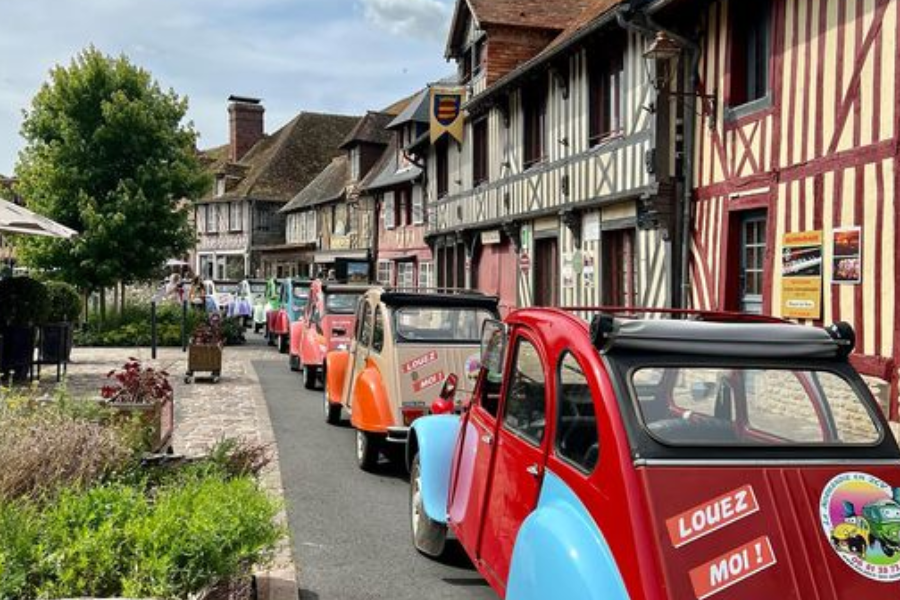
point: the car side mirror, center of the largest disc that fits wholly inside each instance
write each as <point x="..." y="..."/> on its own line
<point x="443" y="405"/>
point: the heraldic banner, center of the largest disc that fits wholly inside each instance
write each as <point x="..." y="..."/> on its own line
<point x="446" y="113"/>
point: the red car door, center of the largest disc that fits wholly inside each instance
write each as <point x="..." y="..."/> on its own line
<point x="520" y="454"/>
<point x="472" y="463"/>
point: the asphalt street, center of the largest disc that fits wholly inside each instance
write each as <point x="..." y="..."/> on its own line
<point x="350" y="529"/>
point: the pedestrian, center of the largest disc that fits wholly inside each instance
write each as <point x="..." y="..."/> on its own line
<point x="198" y="295"/>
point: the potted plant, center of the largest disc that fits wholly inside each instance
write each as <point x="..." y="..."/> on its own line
<point x="145" y="392"/>
<point x="24" y="308"/>
<point x="65" y="306"/>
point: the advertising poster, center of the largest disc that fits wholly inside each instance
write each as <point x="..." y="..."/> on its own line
<point x="847" y="253"/>
<point x="801" y="275"/>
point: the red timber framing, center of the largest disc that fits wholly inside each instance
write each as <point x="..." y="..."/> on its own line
<point x="819" y="152"/>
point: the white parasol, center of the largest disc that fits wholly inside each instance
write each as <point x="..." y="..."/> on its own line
<point x="18" y="219"/>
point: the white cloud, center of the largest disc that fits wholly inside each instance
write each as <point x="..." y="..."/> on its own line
<point x="425" y="19"/>
<point x="294" y="54"/>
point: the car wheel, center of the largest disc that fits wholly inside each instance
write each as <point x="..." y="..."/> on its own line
<point x="332" y="411"/>
<point x="888" y="549"/>
<point x="309" y="377"/>
<point x="283" y="344"/>
<point x="294" y="363"/>
<point x="429" y="537"/>
<point x="367" y="450"/>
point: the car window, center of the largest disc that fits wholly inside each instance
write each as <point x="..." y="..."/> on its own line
<point x="444" y="324"/>
<point x="492" y="373"/>
<point x="378" y="331"/>
<point x="525" y="409"/>
<point x="698" y="405"/>
<point x="364" y="324"/>
<point x="577" y="439"/>
<point x="343" y="304"/>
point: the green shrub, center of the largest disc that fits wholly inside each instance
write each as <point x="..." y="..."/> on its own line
<point x="19" y="528"/>
<point x="86" y="543"/>
<point x="65" y="303"/>
<point x="132" y="327"/>
<point x="24" y="301"/>
<point x="199" y="533"/>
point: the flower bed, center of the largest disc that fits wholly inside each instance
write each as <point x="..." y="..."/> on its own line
<point x="84" y="513"/>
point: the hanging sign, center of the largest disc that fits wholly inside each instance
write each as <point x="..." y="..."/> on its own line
<point x="801" y="275"/>
<point x="846" y="244"/>
<point x="490" y="237"/>
<point x="446" y="113"/>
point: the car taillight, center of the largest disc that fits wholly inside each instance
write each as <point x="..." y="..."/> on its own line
<point x="411" y="414"/>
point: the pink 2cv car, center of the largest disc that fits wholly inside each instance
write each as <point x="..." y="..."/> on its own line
<point x="700" y="456"/>
<point x="327" y="324"/>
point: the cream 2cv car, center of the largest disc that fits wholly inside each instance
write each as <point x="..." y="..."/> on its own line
<point x="406" y="344"/>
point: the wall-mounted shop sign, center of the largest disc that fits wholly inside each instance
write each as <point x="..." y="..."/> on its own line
<point x="490" y="237"/>
<point x="801" y="275"/>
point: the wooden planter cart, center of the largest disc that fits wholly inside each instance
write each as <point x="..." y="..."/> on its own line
<point x="204" y="358"/>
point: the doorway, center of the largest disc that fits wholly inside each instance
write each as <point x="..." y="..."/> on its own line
<point x="546" y="274"/>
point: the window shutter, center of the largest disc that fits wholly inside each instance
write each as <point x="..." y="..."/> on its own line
<point x="389" y="210"/>
<point x="418" y="205"/>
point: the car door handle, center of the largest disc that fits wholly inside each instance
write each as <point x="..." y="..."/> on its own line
<point x="533" y="470"/>
<point x="487" y="439"/>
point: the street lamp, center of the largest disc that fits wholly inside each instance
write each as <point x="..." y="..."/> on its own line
<point x="661" y="52"/>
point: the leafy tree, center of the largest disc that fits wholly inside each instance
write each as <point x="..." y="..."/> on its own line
<point x="108" y="153"/>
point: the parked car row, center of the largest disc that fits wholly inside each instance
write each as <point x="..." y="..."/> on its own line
<point x="595" y="454"/>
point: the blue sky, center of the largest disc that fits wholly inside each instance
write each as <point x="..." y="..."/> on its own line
<point x="343" y="56"/>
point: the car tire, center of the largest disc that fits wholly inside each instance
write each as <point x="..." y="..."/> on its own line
<point x="429" y="537"/>
<point x="368" y="449"/>
<point x="332" y="411"/>
<point x="294" y="363"/>
<point x="309" y="377"/>
<point x="284" y="343"/>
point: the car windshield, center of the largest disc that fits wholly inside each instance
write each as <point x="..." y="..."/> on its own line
<point x="227" y="288"/>
<point x="446" y="324"/>
<point x="699" y="406"/>
<point x="301" y="293"/>
<point x="344" y="304"/>
<point x="258" y="288"/>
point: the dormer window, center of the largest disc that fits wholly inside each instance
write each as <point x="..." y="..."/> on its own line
<point x="220" y="186"/>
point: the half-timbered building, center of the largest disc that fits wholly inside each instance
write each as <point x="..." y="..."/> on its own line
<point x="397" y="186"/>
<point x="240" y="231"/>
<point x="796" y="165"/>
<point x="332" y="218"/>
<point x="562" y="190"/>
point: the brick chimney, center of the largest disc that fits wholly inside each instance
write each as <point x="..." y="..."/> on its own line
<point x="245" y="120"/>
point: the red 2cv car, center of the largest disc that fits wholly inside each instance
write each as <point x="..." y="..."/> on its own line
<point x="327" y="324"/>
<point x="683" y="458"/>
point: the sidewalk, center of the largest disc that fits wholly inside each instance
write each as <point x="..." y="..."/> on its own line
<point x="204" y="413"/>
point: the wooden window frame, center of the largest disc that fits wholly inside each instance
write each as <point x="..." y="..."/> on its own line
<point x="740" y="99"/>
<point x="480" y="152"/>
<point x="606" y="72"/>
<point x="534" y="124"/>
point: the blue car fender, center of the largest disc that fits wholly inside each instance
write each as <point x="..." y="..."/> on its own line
<point x="433" y="438"/>
<point x="561" y="553"/>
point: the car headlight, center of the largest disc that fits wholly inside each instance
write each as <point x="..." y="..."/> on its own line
<point x="342" y="347"/>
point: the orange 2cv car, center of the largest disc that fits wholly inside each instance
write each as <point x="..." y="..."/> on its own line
<point x="327" y="324"/>
<point x="405" y="345"/>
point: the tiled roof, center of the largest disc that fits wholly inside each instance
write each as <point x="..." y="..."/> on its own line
<point x="540" y="14"/>
<point x="370" y="129"/>
<point x="416" y="110"/>
<point x="328" y="185"/>
<point x="385" y="174"/>
<point x="283" y="163"/>
<point x="595" y="13"/>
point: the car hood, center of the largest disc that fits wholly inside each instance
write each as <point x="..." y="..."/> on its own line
<point x="746" y="532"/>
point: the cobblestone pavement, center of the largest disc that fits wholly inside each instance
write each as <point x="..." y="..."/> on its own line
<point x="204" y="412"/>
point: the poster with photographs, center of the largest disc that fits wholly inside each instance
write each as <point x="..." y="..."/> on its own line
<point x="847" y="253"/>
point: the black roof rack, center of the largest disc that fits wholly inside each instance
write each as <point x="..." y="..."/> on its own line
<point x="460" y="298"/>
<point x="746" y="338"/>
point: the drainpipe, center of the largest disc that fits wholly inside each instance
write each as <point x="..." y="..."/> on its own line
<point x="692" y="49"/>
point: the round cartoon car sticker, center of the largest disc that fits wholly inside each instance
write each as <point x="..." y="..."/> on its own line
<point x="861" y="516"/>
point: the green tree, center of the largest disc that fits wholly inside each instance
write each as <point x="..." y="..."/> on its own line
<point x="109" y="154"/>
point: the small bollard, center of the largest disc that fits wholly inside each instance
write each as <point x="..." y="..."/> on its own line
<point x="153" y="329"/>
